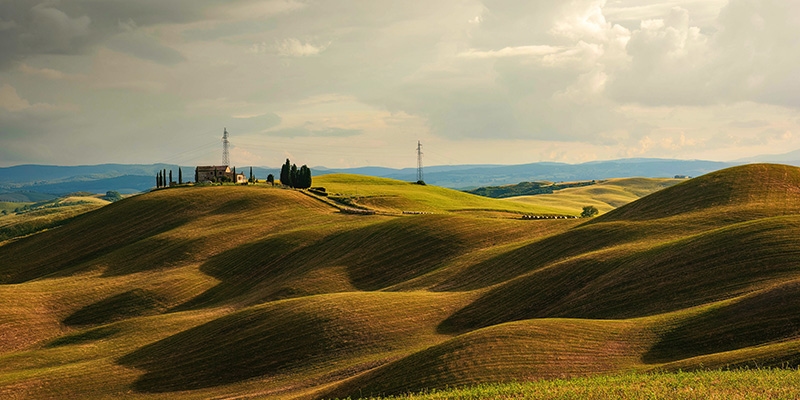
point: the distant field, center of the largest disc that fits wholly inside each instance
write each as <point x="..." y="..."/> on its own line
<point x="605" y="195"/>
<point x="264" y="292"/>
<point x="34" y="217"/>
<point x="10" y="206"/>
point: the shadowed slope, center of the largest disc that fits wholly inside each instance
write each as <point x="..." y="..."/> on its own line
<point x="132" y="303"/>
<point x="290" y="336"/>
<point x="368" y="254"/>
<point x="619" y="283"/>
<point x="142" y="241"/>
<point x="764" y="317"/>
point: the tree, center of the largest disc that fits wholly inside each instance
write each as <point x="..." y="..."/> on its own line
<point x="252" y="177"/>
<point x="158" y="179"/>
<point x="170" y="178"/>
<point x="285" y="173"/>
<point x="294" y="177"/>
<point x="589" y="211"/>
<point x="271" y="179"/>
<point x="180" y="176"/>
<point x="112" y="196"/>
<point x="304" y="178"/>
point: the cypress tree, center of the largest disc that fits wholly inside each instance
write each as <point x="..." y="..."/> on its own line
<point x="252" y="178"/>
<point x="294" y="176"/>
<point x="285" y="170"/>
<point x="170" y="178"/>
<point x="304" y="177"/>
<point x="158" y="180"/>
<point x="180" y="176"/>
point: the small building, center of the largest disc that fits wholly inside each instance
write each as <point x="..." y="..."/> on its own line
<point x="213" y="173"/>
<point x="218" y="173"/>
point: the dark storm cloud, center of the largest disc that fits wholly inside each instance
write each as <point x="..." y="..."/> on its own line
<point x="29" y="28"/>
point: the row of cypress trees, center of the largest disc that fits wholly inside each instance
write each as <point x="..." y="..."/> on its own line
<point x="161" y="178"/>
<point x="292" y="176"/>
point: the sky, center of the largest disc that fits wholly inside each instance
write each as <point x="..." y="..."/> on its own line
<point x="350" y="83"/>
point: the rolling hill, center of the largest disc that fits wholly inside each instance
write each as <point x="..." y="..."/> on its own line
<point x="262" y="292"/>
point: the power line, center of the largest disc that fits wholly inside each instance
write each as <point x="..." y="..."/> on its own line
<point x="225" y="157"/>
<point x="419" y="162"/>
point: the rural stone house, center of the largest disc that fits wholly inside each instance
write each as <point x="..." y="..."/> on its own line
<point x="217" y="173"/>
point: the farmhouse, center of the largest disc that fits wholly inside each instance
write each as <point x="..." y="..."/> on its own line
<point x="217" y="173"/>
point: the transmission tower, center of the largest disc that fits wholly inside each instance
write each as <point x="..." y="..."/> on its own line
<point x="419" y="162"/>
<point x="225" y="159"/>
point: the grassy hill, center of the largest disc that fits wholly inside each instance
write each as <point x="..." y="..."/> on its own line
<point x="393" y="196"/>
<point x="262" y="292"/>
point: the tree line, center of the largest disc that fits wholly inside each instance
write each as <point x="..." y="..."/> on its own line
<point x="294" y="177"/>
<point x="162" y="179"/>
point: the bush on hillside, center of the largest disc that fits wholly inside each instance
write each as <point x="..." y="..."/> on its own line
<point x="589" y="211"/>
<point x="112" y="196"/>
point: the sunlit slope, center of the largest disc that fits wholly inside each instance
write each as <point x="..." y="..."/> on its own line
<point x="519" y="351"/>
<point x="605" y="195"/>
<point x="748" y="191"/>
<point x="395" y="196"/>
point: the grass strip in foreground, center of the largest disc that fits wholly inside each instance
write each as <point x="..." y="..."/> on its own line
<point x="719" y="384"/>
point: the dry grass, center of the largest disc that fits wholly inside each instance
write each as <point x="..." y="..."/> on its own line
<point x="203" y="292"/>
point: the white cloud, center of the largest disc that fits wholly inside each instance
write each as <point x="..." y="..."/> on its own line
<point x="48" y="73"/>
<point x="519" y="51"/>
<point x="292" y="47"/>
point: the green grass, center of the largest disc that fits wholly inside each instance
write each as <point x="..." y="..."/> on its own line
<point x="10" y="206"/>
<point x="262" y="292"/>
<point x="719" y="384"/>
<point x="394" y="196"/>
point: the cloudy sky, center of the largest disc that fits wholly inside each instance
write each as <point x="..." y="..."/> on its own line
<point x="357" y="82"/>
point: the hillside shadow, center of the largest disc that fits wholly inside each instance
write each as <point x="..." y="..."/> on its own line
<point x="637" y="282"/>
<point x="373" y="258"/>
<point x="539" y="254"/>
<point x="85" y="238"/>
<point x="271" y="262"/>
<point x="231" y="349"/>
<point x="87" y="336"/>
<point x="133" y="303"/>
<point x="765" y="317"/>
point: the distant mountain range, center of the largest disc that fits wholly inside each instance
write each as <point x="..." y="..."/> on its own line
<point x="133" y="178"/>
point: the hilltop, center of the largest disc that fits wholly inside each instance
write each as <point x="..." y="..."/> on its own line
<point x="228" y="291"/>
